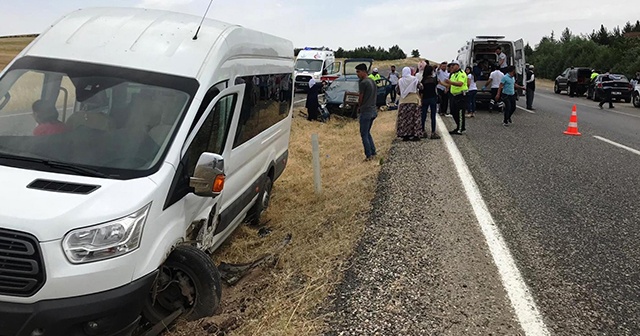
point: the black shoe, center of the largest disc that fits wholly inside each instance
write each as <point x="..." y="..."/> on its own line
<point x="434" y="136"/>
<point x="455" y="131"/>
<point x="415" y="138"/>
<point x="600" y="106"/>
<point x="505" y="124"/>
<point x="511" y="122"/>
<point x="612" y="107"/>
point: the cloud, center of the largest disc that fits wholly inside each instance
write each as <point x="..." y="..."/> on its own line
<point x="164" y="4"/>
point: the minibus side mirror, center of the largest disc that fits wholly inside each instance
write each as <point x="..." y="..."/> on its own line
<point x="208" y="177"/>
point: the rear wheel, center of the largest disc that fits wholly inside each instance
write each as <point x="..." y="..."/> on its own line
<point x="188" y="280"/>
<point x="636" y="100"/>
<point x="556" y="88"/>
<point x="262" y="203"/>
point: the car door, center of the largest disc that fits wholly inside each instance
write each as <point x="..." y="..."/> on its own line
<point x="384" y="87"/>
<point x="519" y="60"/>
<point x="563" y="82"/>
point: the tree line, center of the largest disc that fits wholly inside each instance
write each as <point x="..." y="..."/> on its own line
<point x="377" y="53"/>
<point x="616" y="50"/>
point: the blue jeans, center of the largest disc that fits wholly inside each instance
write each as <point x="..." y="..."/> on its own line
<point x="426" y="104"/>
<point x="366" y="122"/>
<point x="471" y="99"/>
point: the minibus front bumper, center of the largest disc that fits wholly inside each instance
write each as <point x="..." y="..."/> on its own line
<point x="109" y="313"/>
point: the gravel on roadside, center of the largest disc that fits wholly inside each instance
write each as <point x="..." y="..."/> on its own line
<point x="422" y="266"/>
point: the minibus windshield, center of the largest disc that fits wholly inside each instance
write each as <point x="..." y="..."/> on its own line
<point x="115" y="122"/>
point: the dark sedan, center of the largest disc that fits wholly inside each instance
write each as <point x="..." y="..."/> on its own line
<point x="618" y="84"/>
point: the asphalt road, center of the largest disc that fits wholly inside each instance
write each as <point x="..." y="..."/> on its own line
<point x="567" y="206"/>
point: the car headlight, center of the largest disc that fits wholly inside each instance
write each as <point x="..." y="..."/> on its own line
<point x="107" y="240"/>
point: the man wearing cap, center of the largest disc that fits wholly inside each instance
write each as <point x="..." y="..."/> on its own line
<point x="458" y="87"/>
<point x="368" y="110"/>
<point x="531" y="86"/>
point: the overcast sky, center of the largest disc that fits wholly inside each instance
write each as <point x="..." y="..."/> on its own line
<point x="431" y="26"/>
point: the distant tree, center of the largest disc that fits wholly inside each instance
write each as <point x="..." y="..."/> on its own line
<point x="627" y="28"/>
<point x="415" y="53"/>
<point x="340" y="53"/>
<point x="566" y="35"/>
<point x="528" y="52"/>
<point x="636" y="28"/>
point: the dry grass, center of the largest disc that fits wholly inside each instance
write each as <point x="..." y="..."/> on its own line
<point x="10" y="47"/>
<point x="285" y="299"/>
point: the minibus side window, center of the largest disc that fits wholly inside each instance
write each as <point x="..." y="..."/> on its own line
<point x="212" y="136"/>
<point x="266" y="101"/>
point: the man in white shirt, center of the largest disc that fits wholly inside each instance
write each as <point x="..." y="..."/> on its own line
<point x="393" y="79"/>
<point x="494" y="83"/>
<point x="443" y="93"/>
<point x="502" y="60"/>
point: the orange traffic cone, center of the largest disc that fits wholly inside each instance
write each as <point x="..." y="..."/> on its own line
<point x="573" y="123"/>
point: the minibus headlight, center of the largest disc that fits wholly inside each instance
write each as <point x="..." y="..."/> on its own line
<point x="106" y="240"/>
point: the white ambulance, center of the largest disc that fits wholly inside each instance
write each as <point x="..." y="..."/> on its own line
<point x="130" y="149"/>
<point x="316" y="63"/>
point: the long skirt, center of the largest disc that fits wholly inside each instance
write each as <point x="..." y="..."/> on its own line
<point x="409" y="123"/>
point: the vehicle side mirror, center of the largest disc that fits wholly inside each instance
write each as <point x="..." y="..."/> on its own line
<point x="208" y="177"/>
<point x="5" y="100"/>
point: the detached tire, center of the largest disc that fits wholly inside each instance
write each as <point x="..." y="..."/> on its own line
<point x="262" y="203"/>
<point x="188" y="279"/>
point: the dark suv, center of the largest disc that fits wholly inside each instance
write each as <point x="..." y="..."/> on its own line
<point x="562" y="81"/>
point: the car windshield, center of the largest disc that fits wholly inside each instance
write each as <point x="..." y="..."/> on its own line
<point x="344" y="86"/>
<point x="117" y="122"/>
<point x="308" y="65"/>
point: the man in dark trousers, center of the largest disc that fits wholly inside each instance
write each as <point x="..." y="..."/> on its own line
<point x="368" y="110"/>
<point x="606" y="87"/>
<point x="458" y="83"/>
<point x="531" y="86"/>
<point x="443" y="91"/>
<point x="573" y="82"/>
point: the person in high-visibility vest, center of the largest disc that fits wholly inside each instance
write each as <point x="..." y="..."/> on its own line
<point x="594" y="74"/>
<point x="375" y="75"/>
<point x="458" y="84"/>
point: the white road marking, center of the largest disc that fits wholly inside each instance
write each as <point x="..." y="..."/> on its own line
<point x="300" y="101"/>
<point x="634" y="151"/>
<point x="14" y="115"/>
<point x="526" y="110"/>
<point x="521" y="300"/>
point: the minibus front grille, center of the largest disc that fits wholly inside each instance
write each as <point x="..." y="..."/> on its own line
<point x="303" y="78"/>
<point x="21" y="265"/>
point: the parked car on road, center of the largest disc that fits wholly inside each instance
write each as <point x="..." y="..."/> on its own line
<point x="335" y="92"/>
<point x="621" y="89"/>
<point x="562" y="81"/>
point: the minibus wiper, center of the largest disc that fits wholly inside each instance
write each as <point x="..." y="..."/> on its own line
<point x="60" y="165"/>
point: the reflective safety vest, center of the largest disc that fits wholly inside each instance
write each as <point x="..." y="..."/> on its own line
<point x="375" y="77"/>
<point x="459" y="76"/>
<point x="594" y="75"/>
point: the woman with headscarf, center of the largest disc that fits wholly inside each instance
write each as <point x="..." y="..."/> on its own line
<point x="409" y="125"/>
<point x="313" y="104"/>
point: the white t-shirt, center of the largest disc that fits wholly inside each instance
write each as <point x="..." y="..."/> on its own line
<point x="502" y="56"/>
<point x="472" y="83"/>
<point x="496" y="78"/>
<point x="442" y="75"/>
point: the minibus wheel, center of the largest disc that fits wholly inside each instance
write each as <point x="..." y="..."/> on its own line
<point x="188" y="280"/>
<point x="262" y="203"/>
